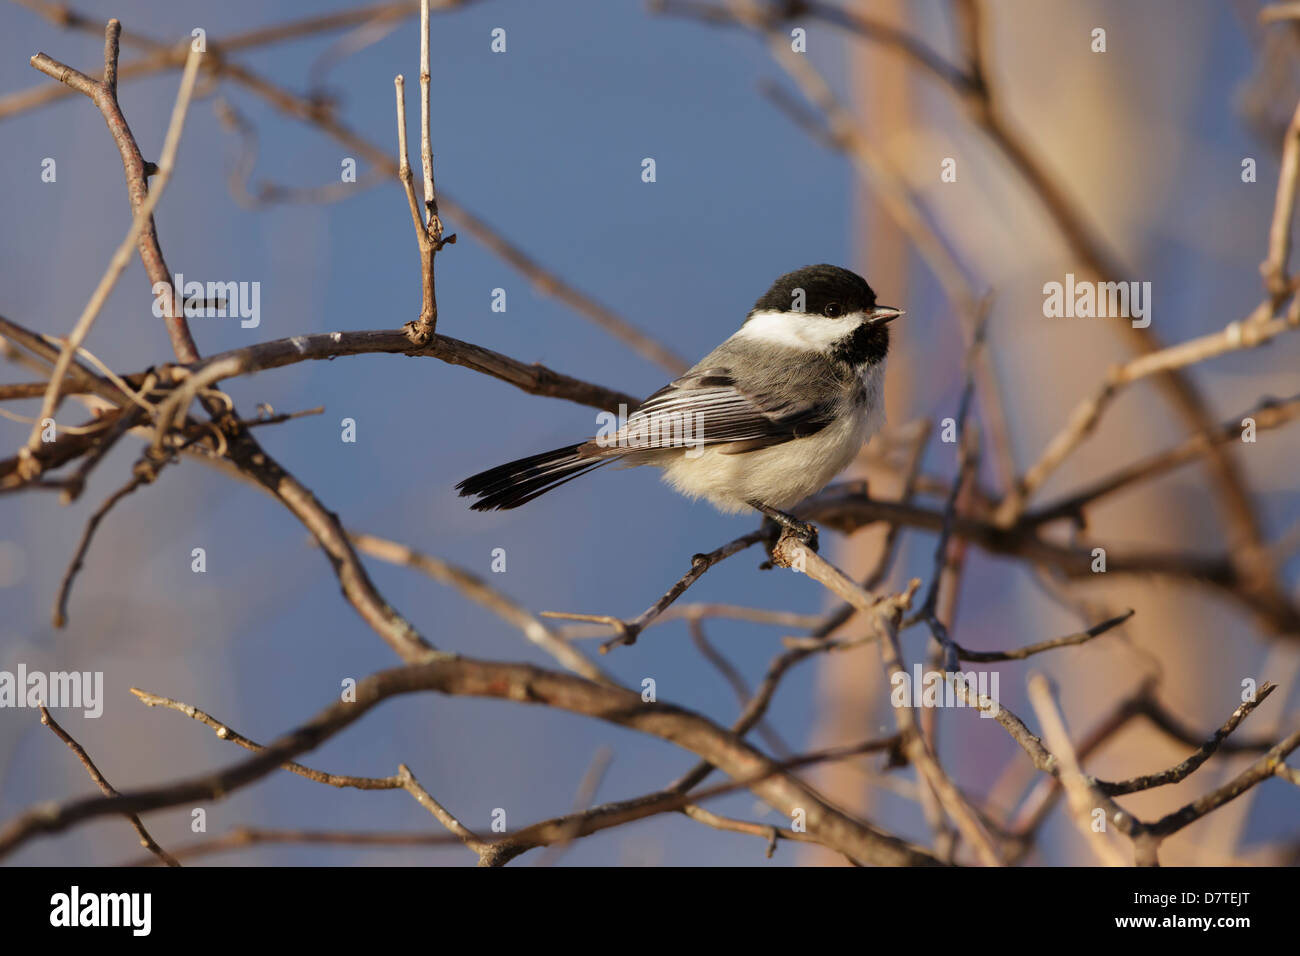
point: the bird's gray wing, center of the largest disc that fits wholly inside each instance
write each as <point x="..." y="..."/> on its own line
<point x="706" y="407"/>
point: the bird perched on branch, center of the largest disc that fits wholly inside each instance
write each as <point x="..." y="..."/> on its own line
<point x="766" y="419"/>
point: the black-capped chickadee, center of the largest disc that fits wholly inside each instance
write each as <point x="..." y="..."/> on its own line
<point x="763" y="421"/>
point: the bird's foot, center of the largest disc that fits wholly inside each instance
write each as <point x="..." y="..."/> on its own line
<point x="806" y="533"/>
<point x="775" y="530"/>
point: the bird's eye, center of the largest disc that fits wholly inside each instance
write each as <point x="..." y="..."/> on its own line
<point x="832" y="310"/>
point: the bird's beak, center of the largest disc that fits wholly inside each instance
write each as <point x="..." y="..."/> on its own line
<point x="884" y="313"/>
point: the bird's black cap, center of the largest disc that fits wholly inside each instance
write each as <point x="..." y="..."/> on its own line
<point x="822" y="286"/>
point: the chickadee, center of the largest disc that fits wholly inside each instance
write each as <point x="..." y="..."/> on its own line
<point x="763" y="421"/>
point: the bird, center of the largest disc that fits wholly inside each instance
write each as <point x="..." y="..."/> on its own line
<point x="766" y="419"/>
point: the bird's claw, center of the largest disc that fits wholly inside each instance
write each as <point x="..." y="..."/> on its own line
<point x="807" y="535"/>
<point x="774" y="531"/>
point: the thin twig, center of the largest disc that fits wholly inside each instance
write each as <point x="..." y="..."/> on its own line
<point x="145" y="472"/>
<point x="474" y="588"/>
<point x="444" y="816"/>
<point x="146" y="840"/>
<point x="628" y="631"/>
<point x="140" y="221"/>
<point x="1078" y="787"/>
<point x="226" y="732"/>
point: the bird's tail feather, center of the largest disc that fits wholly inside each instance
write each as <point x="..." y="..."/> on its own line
<point x="518" y="482"/>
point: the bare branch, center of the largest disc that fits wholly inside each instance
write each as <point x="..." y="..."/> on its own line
<point x="1078" y="788"/>
<point x="467" y="677"/>
<point x="106" y="97"/>
<point x="146" y="840"/>
<point x="474" y="588"/>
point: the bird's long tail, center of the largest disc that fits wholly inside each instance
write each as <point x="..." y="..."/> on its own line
<point x="517" y="482"/>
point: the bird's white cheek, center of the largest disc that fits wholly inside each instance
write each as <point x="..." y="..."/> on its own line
<point x="797" y="330"/>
